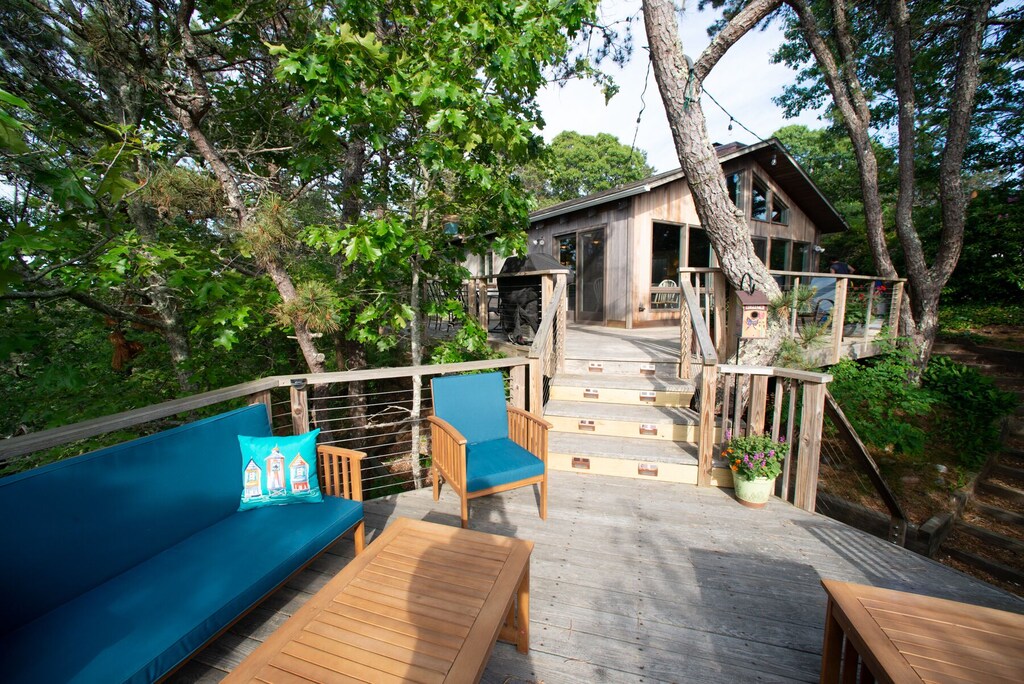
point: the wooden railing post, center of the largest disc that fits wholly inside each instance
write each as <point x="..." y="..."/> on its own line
<point x="517" y="386"/>
<point x="894" y="307"/>
<point x="685" y="340"/>
<point x="300" y="407"/>
<point x="472" y="307"/>
<point x="482" y="313"/>
<point x="758" y="404"/>
<point x="812" y="417"/>
<point x="264" y="398"/>
<point x="838" y="319"/>
<point x="563" y="312"/>
<point x="706" y="439"/>
<point x="536" y="387"/>
<point x="721" y="311"/>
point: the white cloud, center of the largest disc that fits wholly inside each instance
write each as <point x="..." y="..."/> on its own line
<point x="744" y="82"/>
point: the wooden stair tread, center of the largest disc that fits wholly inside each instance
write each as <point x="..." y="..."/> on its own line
<point x="626" y="448"/>
<point x="628" y="382"/>
<point x="621" y="412"/>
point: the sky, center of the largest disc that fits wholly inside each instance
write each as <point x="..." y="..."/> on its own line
<point x="744" y="82"/>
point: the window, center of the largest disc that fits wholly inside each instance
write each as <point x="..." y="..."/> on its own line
<point x="665" y="250"/>
<point x="761" y="248"/>
<point x="801" y="256"/>
<point x="780" y="211"/>
<point x="699" y="255"/>
<point x="759" y="201"/>
<point x="780" y="255"/>
<point x="734" y="184"/>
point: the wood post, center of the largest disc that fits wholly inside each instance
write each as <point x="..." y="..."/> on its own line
<point x="517" y="386"/>
<point x="685" y="340"/>
<point x="894" y="307"/>
<point x="721" y="311"/>
<point x="838" y="319"/>
<point x="264" y="398"/>
<point x="300" y="407"/>
<point x="758" y="404"/>
<point x="563" y="312"/>
<point x="811" y="418"/>
<point x="536" y="387"/>
<point x="706" y="440"/>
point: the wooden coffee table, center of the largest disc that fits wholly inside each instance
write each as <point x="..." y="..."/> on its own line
<point x="893" y="636"/>
<point x="423" y="602"/>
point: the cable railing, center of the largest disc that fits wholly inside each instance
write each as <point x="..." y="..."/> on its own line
<point x="371" y="411"/>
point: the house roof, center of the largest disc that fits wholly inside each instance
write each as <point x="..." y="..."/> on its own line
<point x="770" y="154"/>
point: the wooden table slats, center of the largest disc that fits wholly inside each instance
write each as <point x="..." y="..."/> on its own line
<point x="902" y="637"/>
<point x="424" y="603"/>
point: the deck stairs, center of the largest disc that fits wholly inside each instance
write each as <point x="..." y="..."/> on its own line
<point x="619" y="408"/>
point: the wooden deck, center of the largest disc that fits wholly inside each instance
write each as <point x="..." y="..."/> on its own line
<point x="647" y="581"/>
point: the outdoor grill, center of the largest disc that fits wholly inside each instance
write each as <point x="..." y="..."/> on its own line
<point x="519" y="288"/>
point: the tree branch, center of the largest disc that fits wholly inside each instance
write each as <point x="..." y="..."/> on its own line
<point x="737" y="27"/>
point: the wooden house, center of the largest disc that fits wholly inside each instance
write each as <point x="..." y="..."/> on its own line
<point x="623" y="242"/>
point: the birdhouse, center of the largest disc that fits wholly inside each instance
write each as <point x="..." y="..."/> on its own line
<point x="753" y="314"/>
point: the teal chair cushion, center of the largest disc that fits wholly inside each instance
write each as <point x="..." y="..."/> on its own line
<point x="473" y="404"/>
<point x="498" y="462"/>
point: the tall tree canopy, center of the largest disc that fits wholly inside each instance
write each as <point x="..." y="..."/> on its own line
<point x="914" y="68"/>
<point x="212" y="172"/>
<point x="575" y="165"/>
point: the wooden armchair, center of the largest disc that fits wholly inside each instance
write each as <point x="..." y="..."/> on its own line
<point x="341" y="475"/>
<point x="480" y="445"/>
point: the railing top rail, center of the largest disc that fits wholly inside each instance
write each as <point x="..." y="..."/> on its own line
<point x="550" y="308"/>
<point x="777" y="372"/>
<point x="709" y="357"/>
<point x="46" y="439"/>
<point x="812" y="274"/>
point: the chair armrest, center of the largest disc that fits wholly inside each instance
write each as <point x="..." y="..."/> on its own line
<point x="341" y="471"/>
<point x="529" y="431"/>
<point x="448" y="451"/>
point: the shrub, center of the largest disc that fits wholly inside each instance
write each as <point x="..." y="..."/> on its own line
<point x="879" y="398"/>
<point x="974" y="406"/>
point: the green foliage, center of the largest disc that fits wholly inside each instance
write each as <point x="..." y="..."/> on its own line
<point x="882" y="402"/>
<point x="973" y="406"/>
<point x="755" y="456"/>
<point x="968" y="316"/>
<point x="574" y="165"/>
<point x="469" y="344"/>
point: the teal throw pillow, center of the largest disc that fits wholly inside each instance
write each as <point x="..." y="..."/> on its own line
<point x="279" y="470"/>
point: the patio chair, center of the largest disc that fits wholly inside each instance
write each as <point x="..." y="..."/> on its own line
<point x="481" y="445"/>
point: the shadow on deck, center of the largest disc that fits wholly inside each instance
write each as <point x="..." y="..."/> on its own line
<point x="637" y="580"/>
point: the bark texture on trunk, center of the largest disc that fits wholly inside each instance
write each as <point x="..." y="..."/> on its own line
<point x="680" y="87"/>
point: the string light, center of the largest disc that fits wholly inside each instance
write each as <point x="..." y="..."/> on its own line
<point x="731" y="117"/>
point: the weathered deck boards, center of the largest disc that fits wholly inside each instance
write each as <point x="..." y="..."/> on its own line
<point x="637" y="580"/>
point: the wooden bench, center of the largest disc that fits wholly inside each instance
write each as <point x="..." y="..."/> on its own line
<point x="423" y="603"/>
<point x="880" y="635"/>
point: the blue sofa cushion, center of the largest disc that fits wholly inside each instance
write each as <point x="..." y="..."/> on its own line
<point x="279" y="470"/>
<point x="72" y="525"/>
<point x="473" y="404"/>
<point x="498" y="462"/>
<point x="143" y="623"/>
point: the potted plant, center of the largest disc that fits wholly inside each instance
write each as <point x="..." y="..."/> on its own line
<point x="755" y="461"/>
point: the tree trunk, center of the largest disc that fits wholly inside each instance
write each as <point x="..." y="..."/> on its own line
<point x="416" y="348"/>
<point x="680" y="85"/>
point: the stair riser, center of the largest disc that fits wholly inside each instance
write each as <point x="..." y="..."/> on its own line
<point x="613" y="467"/>
<point x="614" y="428"/>
<point x="620" y="396"/>
<point x="664" y="369"/>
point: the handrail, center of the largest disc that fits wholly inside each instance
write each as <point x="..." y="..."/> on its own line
<point x="705" y="347"/>
<point x="897" y="517"/>
<point x="45" y="439"/>
<point x="542" y="341"/>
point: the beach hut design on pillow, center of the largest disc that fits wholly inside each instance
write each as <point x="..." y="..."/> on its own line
<point x="275" y="473"/>
<point x="253" y="480"/>
<point x="299" y="474"/>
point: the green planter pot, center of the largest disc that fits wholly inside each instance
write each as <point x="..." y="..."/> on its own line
<point x="753" y="493"/>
